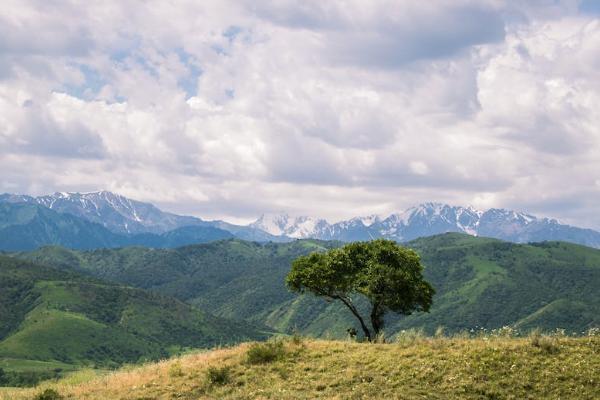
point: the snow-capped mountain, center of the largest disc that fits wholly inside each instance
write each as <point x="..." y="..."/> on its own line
<point x="125" y="216"/>
<point x="430" y="219"/>
<point x="293" y="227"/>
<point x="115" y="212"/>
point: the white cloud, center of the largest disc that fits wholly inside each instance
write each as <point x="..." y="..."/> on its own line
<point x="229" y="109"/>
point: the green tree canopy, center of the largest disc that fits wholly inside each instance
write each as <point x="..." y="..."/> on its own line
<point x="387" y="275"/>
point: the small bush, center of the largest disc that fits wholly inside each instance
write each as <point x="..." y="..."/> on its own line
<point x="48" y="394"/>
<point x="175" y="370"/>
<point x="546" y="344"/>
<point x="218" y="376"/>
<point x="263" y="353"/>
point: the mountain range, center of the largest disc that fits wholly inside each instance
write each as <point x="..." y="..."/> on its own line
<point x="105" y="219"/>
<point x="430" y="219"/>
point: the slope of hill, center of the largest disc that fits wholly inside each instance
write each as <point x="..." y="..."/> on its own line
<point x="484" y="368"/>
<point x="49" y="316"/>
<point x="480" y="282"/>
<point x="25" y="226"/>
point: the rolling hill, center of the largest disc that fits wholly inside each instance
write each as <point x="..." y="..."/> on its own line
<point x="480" y="282"/>
<point x="53" y="320"/>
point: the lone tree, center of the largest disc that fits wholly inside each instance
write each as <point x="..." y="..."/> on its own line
<point x="387" y="275"/>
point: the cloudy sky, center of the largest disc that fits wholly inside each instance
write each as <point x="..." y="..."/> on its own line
<point x="330" y="108"/>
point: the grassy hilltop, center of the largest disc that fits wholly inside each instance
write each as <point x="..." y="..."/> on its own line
<point x="537" y="367"/>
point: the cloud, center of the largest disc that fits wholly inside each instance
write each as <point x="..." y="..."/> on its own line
<point x="389" y="34"/>
<point x="233" y="108"/>
<point x="19" y="26"/>
<point x="37" y="131"/>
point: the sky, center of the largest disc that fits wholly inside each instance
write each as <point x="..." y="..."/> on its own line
<point x="230" y="109"/>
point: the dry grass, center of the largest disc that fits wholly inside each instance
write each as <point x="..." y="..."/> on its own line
<point x="432" y="368"/>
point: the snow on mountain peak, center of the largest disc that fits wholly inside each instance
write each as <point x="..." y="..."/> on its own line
<point x="294" y="227"/>
<point x="369" y="219"/>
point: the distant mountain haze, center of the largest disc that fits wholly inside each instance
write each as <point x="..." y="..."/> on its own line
<point x="140" y="223"/>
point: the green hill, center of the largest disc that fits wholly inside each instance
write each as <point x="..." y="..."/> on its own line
<point x="426" y="368"/>
<point x="479" y="282"/>
<point x="53" y="320"/>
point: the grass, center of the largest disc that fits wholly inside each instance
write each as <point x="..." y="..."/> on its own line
<point x="490" y="367"/>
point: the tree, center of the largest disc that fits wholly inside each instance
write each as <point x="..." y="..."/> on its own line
<point x="387" y="275"/>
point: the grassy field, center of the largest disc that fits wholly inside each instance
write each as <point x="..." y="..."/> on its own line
<point x="492" y="367"/>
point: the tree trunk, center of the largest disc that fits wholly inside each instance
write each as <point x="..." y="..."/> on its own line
<point x="354" y="311"/>
<point x="377" y="319"/>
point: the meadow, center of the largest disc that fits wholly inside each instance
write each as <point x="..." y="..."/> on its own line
<point x="489" y="365"/>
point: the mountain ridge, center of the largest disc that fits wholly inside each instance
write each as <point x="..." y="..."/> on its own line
<point x="25" y="226"/>
<point x="125" y="216"/>
<point x="429" y="219"/>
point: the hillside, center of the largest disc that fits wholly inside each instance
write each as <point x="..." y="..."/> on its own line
<point x="479" y="282"/>
<point x="483" y="368"/>
<point x="105" y="324"/>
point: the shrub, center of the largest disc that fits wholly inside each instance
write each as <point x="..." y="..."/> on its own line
<point x="48" y="394"/>
<point x="546" y="344"/>
<point x="263" y="353"/>
<point x="175" y="370"/>
<point x="218" y="376"/>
